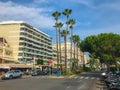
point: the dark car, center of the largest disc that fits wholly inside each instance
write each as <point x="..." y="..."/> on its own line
<point x="38" y="72"/>
<point x="114" y="86"/>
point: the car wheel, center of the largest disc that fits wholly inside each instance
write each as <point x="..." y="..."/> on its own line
<point x="10" y="77"/>
<point x="20" y="75"/>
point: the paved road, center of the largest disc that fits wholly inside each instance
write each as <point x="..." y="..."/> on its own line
<point x="87" y="81"/>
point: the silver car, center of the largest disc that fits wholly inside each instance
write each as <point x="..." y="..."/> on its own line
<point x="12" y="74"/>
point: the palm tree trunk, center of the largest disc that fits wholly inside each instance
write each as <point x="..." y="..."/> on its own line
<point x="65" y="53"/>
<point x="66" y="45"/>
<point x="83" y="59"/>
<point x="60" y="51"/>
<point x="67" y="23"/>
<point x="57" y="45"/>
<point x="71" y="45"/>
<point x="74" y="58"/>
<point x="77" y="57"/>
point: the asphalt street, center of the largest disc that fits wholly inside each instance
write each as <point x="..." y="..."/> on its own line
<point x="86" y="81"/>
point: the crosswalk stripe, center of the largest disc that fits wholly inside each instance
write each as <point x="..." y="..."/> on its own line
<point x="86" y="77"/>
<point x="73" y="77"/>
<point x="93" y="78"/>
<point x="82" y="77"/>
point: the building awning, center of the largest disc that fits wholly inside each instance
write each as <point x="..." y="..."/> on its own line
<point x="20" y="66"/>
<point x="4" y="67"/>
<point x="15" y="66"/>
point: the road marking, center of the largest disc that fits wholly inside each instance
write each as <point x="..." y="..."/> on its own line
<point x="67" y="87"/>
<point x="76" y="77"/>
<point x="71" y="76"/>
<point x="81" y="77"/>
<point x="86" y="77"/>
<point x="93" y="78"/>
<point x="81" y="86"/>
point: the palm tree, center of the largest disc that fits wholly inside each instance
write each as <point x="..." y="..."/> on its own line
<point x="59" y="26"/>
<point x="64" y="34"/>
<point x="78" y="49"/>
<point x="75" y="39"/>
<point x="71" y="22"/>
<point x="67" y="12"/>
<point x="56" y="15"/>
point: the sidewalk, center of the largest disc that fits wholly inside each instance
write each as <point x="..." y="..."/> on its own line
<point x="45" y="76"/>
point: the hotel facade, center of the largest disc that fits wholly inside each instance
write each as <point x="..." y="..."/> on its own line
<point x="25" y="42"/>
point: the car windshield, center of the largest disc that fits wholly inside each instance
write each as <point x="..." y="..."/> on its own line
<point x="10" y="72"/>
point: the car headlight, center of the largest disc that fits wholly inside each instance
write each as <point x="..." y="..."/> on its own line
<point x="103" y="74"/>
<point x="6" y="75"/>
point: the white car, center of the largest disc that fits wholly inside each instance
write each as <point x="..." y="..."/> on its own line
<point x="12" y="74"/>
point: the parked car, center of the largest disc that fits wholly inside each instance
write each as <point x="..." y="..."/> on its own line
<point x="38" y="72"/>
<point x="106" y="74"/>
<point x="114" y="86"/>
<point x="112" y="80"/>
<point x="12" y="74"/>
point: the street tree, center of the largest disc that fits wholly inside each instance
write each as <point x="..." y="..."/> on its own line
<point x="59" y="26"/>
<point x="105" y="46"/>
<point x="76" y="40"/>
<point x="64" y="34"/>
<point x="71" y="22"/>
<point x="56" y="15"/>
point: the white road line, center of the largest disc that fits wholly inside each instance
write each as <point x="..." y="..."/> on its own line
<point x="93" y="78"/>
<point x="71" y="76"/>
<point x="81" y="86"/>
<point x="67" y="87"/>
<point x="86" y="77"/>
<point x="81" y="77"/>
<point x="76" y="77"/>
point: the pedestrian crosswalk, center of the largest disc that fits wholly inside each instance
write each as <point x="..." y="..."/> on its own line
<point x="82" y="77"/>
<point x="70" y="77"/>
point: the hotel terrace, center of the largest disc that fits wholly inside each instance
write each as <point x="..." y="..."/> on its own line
<point x="23" y="43"/>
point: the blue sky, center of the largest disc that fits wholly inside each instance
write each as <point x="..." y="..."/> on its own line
<point x="92" y="16"/>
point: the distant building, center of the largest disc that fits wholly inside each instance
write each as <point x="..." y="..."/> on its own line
<point x="79" y="55"/>
<point x="26" y="42"/>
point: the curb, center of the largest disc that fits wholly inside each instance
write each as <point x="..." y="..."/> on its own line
<point x="44" y="76"/>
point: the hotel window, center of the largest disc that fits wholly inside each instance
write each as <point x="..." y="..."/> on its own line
<point x="22" y="28"/>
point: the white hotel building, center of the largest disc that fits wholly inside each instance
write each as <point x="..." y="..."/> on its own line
<point x="26" y="41"/>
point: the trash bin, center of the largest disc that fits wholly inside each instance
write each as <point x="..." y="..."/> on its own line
<point x="58" y="73"/>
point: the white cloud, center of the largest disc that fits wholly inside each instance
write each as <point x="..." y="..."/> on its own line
<point x="32" y="15"/>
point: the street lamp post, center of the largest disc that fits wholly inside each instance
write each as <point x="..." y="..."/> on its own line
<point x="3" y="50"/>
<point x="33" y="58"/>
